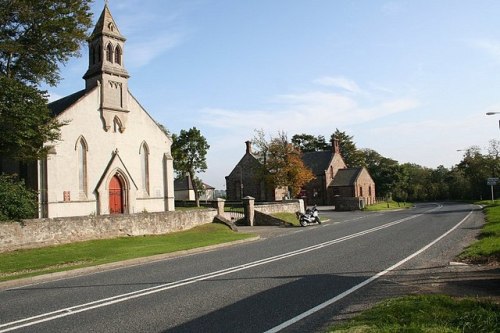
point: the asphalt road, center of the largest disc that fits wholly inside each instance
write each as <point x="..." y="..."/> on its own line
<point x="292" y="280"/>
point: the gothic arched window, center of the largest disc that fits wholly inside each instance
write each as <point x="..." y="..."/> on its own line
<point x="82" y="150"/>
<point x="118" y="55"/>
<point x="144" y="154"/>
<point x="109" y="53"/>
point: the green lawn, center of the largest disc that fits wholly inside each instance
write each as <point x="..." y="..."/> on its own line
<point x="25" y="263"/>
<point x="487" y="248"/>
<point x="390" y="205"/>
<point x="430" y="313"/>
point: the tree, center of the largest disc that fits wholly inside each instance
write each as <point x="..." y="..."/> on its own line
<point x="309" y="143"/>
<point x="189" y="150"/>
<point x="282" y="163"/>
<point x="25" y="121"/>
<point x="351" y="155"/>
<point x="16" y="201"/>
<point x="36" y="36"/>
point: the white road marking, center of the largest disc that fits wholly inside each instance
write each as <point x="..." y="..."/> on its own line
<point x="49" y="316"/>
<point x="362" y="284"/>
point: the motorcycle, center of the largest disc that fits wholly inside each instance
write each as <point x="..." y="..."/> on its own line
<point x="311" y="216"/>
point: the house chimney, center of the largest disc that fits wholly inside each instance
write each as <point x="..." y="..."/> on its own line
<point x="335" y="146"/>
<point x="249" y="146"/>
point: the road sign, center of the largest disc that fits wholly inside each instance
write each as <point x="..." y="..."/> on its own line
<point x="492" y="181"/>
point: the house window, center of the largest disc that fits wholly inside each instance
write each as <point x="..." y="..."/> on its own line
<point x="109" y="53"/>
<point x="82" y="149"/>
<point x="369" y="191"/>
<point x="118" y="55"/>
<point x="144" y="154"/>
<point x="361" y="191"/>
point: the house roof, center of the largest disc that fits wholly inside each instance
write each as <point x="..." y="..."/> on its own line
<point x="59" y="106"/>
<point x="317" y="161"/>
<point x="183" y="183"/>
<point x="346" y="177"/>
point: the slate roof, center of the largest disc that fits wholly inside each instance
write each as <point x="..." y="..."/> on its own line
<point x="59" y="106"/>
<point x="184" y="183"/>
<point x="317" y="161"/>
<point x="346" y="177"/>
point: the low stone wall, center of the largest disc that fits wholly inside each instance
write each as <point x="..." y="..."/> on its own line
<point x="45" y="232"/>
<point x="288" y="206"/>
<point x="263" y="212"/>
<point x="348" y="203"/>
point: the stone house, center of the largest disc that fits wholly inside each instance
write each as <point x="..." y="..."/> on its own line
<point x="184" y="190"/>
<point x="356" y="183"/>
<point x="113" y="158"/>
<point x="324" y="166"/>
<point x="247" y="179"/>
<point x="332" y="179"/>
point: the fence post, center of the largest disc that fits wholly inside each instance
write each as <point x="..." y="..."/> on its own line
<point x="219" y="205"/>
<point x="248" y="208"/>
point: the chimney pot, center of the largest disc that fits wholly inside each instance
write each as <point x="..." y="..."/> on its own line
<point x="249" y="146"/>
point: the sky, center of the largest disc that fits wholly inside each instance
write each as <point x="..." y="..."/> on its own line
<point x="412" y="80"/>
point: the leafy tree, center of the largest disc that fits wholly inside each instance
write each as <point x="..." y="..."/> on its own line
<point x="282" y="162"/>
<point x="16" y="201"/>
<point x="189" y="150"/>
<point x="309" y="143"/>
<point x="25" y="121"/>
<point x="36" y="36"/>
<point x="385" y="173"/>
<point x="351" y="155"/>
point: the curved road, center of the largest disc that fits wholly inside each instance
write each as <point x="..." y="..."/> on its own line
<point x="291" y="281"/>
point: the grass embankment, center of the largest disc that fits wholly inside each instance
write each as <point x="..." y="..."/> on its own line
<point x="439" y="313"/>
<point x="431" y="313"/>
<point x="26" y="263"/>
<point x="388" y="205"/>
<point x="487" y="248"/>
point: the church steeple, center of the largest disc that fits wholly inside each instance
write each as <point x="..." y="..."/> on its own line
<point x="106" y="70"/>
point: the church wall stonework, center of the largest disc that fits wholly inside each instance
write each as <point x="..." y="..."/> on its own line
<point x="54" y="231"/>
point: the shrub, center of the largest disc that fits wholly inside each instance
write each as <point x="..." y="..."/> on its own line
<point x="16" y="200"/>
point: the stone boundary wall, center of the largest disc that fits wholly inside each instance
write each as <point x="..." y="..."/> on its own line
<point x="263" y="211"/>
<point x="45" y="232"/>
<point x="289" y="206"/>
<point x="348" y="203"/>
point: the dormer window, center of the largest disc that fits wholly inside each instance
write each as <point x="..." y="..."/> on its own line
<point x="111" y="26"/>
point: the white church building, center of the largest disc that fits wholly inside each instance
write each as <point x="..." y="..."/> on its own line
<point x="112" y="158"/>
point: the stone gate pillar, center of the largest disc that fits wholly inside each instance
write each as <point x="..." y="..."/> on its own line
<point x="219" y="205"/>
<point x="248" y="208"/>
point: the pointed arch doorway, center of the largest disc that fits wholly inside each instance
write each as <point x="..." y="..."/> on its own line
<point x="116" y="198"/>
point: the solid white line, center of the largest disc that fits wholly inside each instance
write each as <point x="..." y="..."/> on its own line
<point x="30" y="321"/>
<point x="362" y="284"/>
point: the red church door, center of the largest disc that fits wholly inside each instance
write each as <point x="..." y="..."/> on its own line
<point x="115" y="196"/>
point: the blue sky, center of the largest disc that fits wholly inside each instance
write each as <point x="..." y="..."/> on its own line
<point x="410" y="79"/>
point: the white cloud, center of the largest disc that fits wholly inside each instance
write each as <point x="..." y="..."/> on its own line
<point x="141" y="53"/>
<point x="489" y="46"/>
<point x="310" y="111"/>
<point x="53" y="96"/>
<point x="339" y="82"/>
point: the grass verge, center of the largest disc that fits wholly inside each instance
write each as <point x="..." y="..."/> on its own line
<point x="487" y="248"/>
<point x="430" y="313"/>
<point x="26" y="263"/>
<point x="388" y="205"/>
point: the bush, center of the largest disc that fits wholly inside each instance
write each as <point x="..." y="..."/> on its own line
<point x="16" y="200"/>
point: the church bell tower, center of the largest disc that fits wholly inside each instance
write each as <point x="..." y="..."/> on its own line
<point x="106" y="70"/>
